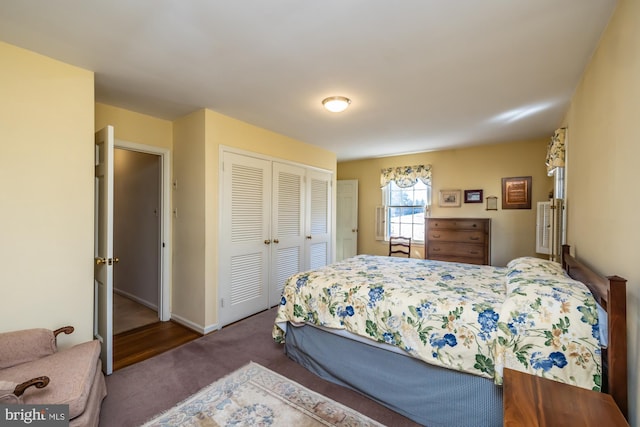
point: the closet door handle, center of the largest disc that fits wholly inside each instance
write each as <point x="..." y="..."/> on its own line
<point x="276" y="241"/>
<point x="267" y="242"/>
<point x="308" y="237"/>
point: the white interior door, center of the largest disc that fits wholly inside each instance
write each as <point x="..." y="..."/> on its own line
<point x="103" y="250"/>
<point x="318" y="240"/>
<point x="287" y="227"/>
<point x="245" y="237"/>
<point x="347" y="220"/>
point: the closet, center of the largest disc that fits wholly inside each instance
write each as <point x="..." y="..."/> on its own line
<point x="275" y="219"/>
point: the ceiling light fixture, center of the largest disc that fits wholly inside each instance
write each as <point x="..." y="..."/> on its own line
<point x="336" y="104"/>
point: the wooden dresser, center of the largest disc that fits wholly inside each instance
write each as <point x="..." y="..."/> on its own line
<point x="465" y="240"/>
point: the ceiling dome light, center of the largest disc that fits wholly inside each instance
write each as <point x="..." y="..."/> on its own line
<point x="336" y="104"/>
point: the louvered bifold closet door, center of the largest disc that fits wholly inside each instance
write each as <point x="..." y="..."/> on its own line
<point x="245" y="237"/>
<point x="287" y="227"/>
<point x="318" y="239"/>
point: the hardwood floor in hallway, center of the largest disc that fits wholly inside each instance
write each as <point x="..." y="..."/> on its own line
<point x="147" y="341"/>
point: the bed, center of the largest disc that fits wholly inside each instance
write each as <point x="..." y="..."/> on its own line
<point x="429" y="339"/>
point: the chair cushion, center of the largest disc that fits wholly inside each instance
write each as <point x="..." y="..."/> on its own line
<point x="26" y="345"/>
<point x="91" y="415"/>
<point x="71" y="372"/>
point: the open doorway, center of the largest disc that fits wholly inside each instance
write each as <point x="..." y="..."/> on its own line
<point x="137" y="239"/>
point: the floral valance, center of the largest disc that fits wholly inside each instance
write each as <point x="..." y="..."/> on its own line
<point x="556" y="151"/>
<point x="406" y="176"/>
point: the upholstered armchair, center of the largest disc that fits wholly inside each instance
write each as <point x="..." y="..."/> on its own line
<point x="33" y="371"/>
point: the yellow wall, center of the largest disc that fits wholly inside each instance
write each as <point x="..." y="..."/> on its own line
<point x="602" y="169"/>
<point x="189" y="244"/>
<point x="134" y="127"/>
<point x="46" y="202"/>
<point x="224" y="130"/>
<point x="513" y="230"/>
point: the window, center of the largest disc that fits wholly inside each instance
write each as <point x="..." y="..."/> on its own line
<point x="406" y="197"/>
<point x="405" y="209"/>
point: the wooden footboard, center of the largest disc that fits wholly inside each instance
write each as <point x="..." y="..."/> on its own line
<point x="611" y="294"/>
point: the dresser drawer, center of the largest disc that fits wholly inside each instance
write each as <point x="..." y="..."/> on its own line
<point x="455" y="249"/>
<point x="465" y="260"/>
<point x="456" y="236"/>
<point x="457" y="224"/>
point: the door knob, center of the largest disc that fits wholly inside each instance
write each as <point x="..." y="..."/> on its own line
<point x="276" y="241"/>
<point x="309" y="237"/>
<point x="105" y="261"/>
<point x="266" y="242"/>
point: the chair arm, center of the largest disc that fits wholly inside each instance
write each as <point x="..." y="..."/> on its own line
<point x="39" y="382"/>
<point x="66" y="329"/>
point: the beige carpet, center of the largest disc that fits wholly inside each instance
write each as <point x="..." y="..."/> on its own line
<point x="255" y="396"/>
<point x="128" y="314"/>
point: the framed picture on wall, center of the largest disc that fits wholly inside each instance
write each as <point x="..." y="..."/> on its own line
<point x="492" y="203"/>
<point x="516" y="192"/>
<point x="473" y="196"/>
<point x="450" y="198"/>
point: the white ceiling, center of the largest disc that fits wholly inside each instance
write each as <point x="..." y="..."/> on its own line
<point x="422" y="74"/>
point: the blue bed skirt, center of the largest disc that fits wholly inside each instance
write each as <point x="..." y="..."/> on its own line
<point x="427" y="394"/>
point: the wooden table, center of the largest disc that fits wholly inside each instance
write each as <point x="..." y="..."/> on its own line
<point x="531" y="401"/>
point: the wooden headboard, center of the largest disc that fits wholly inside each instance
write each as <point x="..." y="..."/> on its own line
<point x="611" y="294"/>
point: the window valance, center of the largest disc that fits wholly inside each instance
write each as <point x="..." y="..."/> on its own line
<point x="556" y="150"/>
<point x="406" y="176"/>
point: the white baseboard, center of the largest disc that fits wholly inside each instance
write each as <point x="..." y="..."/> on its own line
<point x="211" y="328"/>
<point x="137" y="299"/>
<point x="194" y="326"/>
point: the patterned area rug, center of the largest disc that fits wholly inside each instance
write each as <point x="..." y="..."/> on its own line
<point x="255" y="396"/>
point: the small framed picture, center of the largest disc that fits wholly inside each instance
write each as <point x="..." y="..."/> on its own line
<point x="492" y="203"/>
<point x="473" y="196"/>
<point x="450" y="198"/>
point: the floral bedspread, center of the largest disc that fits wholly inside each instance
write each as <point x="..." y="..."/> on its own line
<point x="471" y="318"/>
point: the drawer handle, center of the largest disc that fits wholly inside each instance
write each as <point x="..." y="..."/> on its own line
<point x="474" y="238"/>
<point x="436" y="249"/>
<point x="475" y="225"/>
<point x="436" y="236"/>
<point x="474" y="252"/>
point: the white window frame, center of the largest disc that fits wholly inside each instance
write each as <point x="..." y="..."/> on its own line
<point x="387" y="209"/>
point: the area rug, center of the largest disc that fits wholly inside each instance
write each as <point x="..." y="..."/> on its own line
<point x="255" y="396"/>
